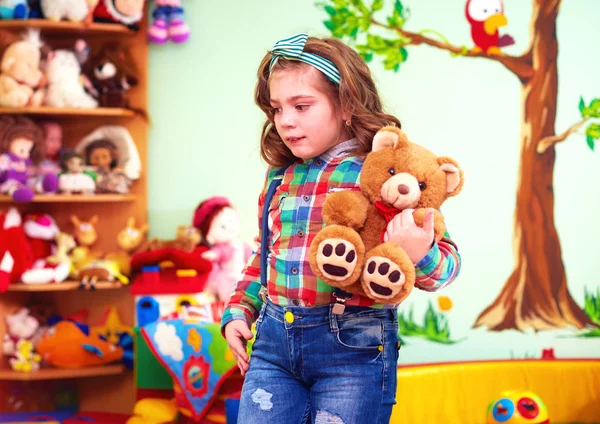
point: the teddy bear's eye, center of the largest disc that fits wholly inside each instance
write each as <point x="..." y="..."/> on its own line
<point x="422" y="186"/>
<point x="392" y="171"/>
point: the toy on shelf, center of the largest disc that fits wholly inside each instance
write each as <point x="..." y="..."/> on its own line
<point x="13" y="9"/>
<point x="24" y="248"/>
<point x="86" y="236"/>
<point x="68" y="344"/>
<point x="219" y="226"/>
<point x="74" y="178"/>
<point x="21" y="79"/>
<point x="126" y="12"/>
<point x="129" y="239"/>
<point x="110" y="152"/>
<point x="71" y="10"/>
<point x="49" y="261"/>
<point x="53" y="144"/>
<point x="517" y="407"/>
<point x="18" y="340"/>
<point x="63" y="71"/>
<point x="21" y="148"/>
<point x="187" y="237"/>
<point x="112" y="74"/>
<point x="168" y="23"/>
<point x="114" y="331"/>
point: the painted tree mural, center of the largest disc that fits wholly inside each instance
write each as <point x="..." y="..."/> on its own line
<point x="535" y="295"/>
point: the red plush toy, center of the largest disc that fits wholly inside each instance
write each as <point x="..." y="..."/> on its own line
<point x="24" y="247"/>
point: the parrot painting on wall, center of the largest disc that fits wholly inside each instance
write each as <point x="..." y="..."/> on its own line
<point x="485" y="17"/>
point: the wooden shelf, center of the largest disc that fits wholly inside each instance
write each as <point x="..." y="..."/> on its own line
<point x="76" y="198"/>
<point x="64" y="286"/>
<point x="67" y="111"/>
<point x="62" y="373"/>
<point x="65" y="27"/>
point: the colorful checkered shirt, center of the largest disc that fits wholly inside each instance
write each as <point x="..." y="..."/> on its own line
<point x="294" y="220"/>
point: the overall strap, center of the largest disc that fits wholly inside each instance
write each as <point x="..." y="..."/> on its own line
<point x="264" y="241"/>
<point x="340" y="295"/>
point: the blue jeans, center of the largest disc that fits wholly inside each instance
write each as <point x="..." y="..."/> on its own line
<point x="322" y="367"/>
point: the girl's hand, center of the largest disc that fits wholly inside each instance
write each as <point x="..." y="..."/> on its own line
<point x="237" y="335"/>
<point x="403" y="231"/>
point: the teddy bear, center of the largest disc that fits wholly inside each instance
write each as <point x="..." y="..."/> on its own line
<point x="351" y="252"/>
<point x="21" y="79"/>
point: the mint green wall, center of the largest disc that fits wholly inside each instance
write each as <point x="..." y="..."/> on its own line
<point x="204" y="141"/>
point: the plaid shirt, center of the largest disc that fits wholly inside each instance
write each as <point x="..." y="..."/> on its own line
<point x="294" y="220"/>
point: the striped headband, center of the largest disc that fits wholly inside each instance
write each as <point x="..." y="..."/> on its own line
<point x="291" y="49"/>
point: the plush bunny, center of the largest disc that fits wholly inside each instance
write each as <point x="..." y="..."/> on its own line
<point x="63" y="71"/>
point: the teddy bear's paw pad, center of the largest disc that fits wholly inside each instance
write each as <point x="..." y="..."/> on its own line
<point x="336" y="259"/>
<point x="383" y="278"/>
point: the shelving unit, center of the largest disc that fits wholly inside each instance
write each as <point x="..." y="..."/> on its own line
<point x="111" y="387"/>
<point x="61" y="373"/>
<point x="67" y="28"/>
<point x="76" y="198"/>
<point x="107" y="112"/>
<point x="63" y="286"/>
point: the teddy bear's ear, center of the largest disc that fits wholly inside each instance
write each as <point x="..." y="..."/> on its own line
<point x="454" y="175"/>
<point x="388" y="137"/>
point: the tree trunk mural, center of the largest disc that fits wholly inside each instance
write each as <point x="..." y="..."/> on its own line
<point x="535" y="296"/>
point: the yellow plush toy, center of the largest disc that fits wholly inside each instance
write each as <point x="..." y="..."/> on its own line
<point x="350" y="252"/>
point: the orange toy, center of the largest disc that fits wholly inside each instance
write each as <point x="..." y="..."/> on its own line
<point x="66" y="345"/>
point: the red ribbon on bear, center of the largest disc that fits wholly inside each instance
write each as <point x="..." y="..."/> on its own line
<point x="388" y="212"/>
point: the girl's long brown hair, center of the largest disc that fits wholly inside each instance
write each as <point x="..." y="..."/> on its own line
<point x="356" y="94"/>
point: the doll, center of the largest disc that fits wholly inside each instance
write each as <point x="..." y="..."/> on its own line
<point x="21" y="147"/>
<point x="74" y="178"/>
<point x="53" y="141"/>
<point x="219" y="226"/>
<point x="103" y="156"/>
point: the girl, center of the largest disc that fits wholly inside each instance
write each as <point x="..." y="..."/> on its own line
<point x="309" y="362"/>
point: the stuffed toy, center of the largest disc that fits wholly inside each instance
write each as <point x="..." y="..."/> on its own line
<point x="21" y="79"/>
<point x="68" y="344"/>
<point x="187" y="238"/>
<point x="396" y="175"/>
<point x="219" y="226"/>
<point x="125" y="12"/>
<point x="13" y="9"/>
<point x="111" y="74"/>
<point x="71" y="10"/>
<point x="25" y="244"/>
<point x="20" y="325"/>
<point x="86" y="235"/>
<point x="21" y="148"/>
<point x="63" y="71"/>
<point x="129" y="240"/>
<point x="168" y="23"/>
<point x="18" y="342"/>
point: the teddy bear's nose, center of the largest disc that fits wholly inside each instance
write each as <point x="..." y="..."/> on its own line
<point x="403" y="189"/>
